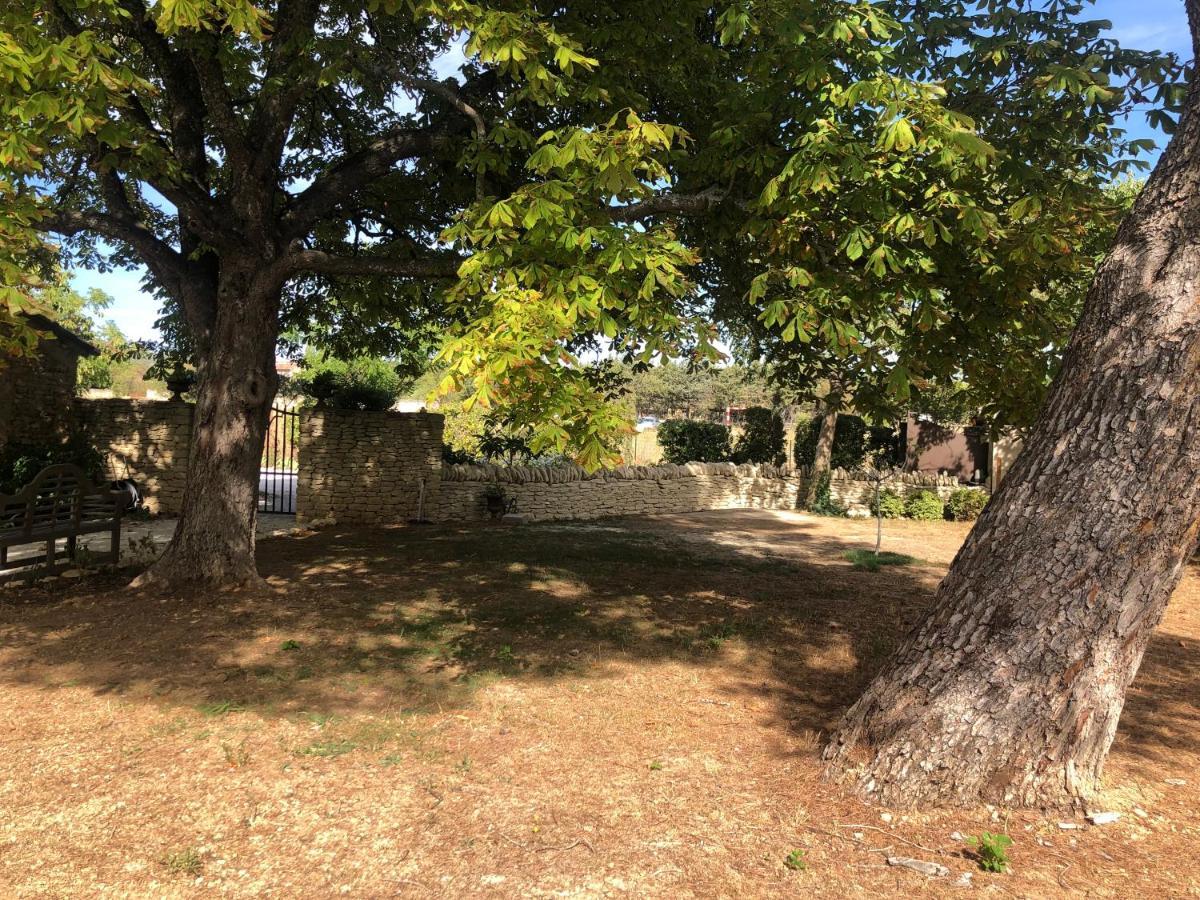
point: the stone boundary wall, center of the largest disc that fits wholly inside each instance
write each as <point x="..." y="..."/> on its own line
<point x="568" y="492"/>
<point x="376" y="468"/>
<point x="545" y="493"/>
<point x="146" y="440"/>
<point x="368" y="468"/>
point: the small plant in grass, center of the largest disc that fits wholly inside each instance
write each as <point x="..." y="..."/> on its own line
<point x="220" y="708"/>
<point x="925" y="506"/>
<point x="992" y="851"/>
<point x="796" y="861"/>
<point x="185" y="862"/>
<point x="505" y="653"/>
<point x="890" y="506"/>
<point x="869" y="561"/>
<point x="327" y="749"/>
<point x="656" y="766"/>
<point x="236" y="757"/>
<point x="965" y="505"/>
<point x="290" y="645"/>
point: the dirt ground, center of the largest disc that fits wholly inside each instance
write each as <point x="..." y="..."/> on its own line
<point x="624" y="708"/>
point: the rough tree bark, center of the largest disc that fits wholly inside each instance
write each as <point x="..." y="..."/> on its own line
<point x="1010" y="688"/>
<point x="830" y="407"/>
<point x="214" y="542"/>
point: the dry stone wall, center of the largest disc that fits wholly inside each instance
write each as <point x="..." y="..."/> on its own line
<point x="375" y="468"/>
<point x="146" y="440"/>
<point x="368" y="468"/>
<point x="568" y="492"/>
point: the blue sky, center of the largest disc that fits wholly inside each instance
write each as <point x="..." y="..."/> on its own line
<point x="1141" y="24"/>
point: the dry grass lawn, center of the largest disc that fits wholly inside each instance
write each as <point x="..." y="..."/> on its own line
<point x="614" y="709"/>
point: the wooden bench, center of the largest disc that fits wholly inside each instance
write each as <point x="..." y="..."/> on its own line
<point x="59" y="503"/>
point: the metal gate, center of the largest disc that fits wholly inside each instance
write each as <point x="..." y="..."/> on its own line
<point x="280" y="463"/>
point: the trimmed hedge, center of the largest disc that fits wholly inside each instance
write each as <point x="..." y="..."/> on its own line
<point x="365" y="383"/>
<point x="762" y="439"/>
<point x="685" y="440"/>
<point x="849" y="442"/>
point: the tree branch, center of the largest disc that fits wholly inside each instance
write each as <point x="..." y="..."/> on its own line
<point x="183" y="91"/>
<point x="451" y="95"/>
<point x="320" y="262"/>
<point x="272" y="117"/>
<point x="166" y="264"/>
<point x="354" y="171"/>
<point x="212" y="82"/>
<point x="668" y="205"/>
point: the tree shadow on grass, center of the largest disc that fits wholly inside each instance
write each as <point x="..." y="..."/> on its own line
<point x="395" y="620"/>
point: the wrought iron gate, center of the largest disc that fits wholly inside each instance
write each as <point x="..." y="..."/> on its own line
<point x="280" y="463"/>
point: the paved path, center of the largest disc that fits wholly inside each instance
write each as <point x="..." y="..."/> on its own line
<point x="160" y="530"/>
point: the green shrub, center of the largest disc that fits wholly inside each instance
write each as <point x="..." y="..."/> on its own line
<point x="762" y="439"/>
<point x="363" y="383"/>
<point x="824" y="504"/>
<point x="849" y="442"/>
<point x="965" y="505"/>
<point x="19" y="463"/>
<point x="685" y="440"/>
<point x="891" y="505"/>
<point x="924" y="505"/>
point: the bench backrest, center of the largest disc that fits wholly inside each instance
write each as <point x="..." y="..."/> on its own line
<point x="60" y="497"/>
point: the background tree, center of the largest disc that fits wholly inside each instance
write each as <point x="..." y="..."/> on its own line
<point x="940" y="268"/>
<point x="1011" y="687"/>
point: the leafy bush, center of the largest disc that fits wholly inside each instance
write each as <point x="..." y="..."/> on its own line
<point x="824" y="504"/>
<point x="685" y="440"/>
<point x="849" y="442"/>
<point x="363" y="383"/>
<point x="19" y="463"/>
<point x="891" y="505"/>
<point x="924" y="505"/>
<point x="965" y="505"/>
<point x="762" y="439"/>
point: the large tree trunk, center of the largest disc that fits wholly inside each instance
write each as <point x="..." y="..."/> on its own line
<point x="214" y="542"/>
<point x="1010" y="688"/>
<point x="830" y="407"/>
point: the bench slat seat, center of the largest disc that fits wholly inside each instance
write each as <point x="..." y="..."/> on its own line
<point x="59" y="503"/>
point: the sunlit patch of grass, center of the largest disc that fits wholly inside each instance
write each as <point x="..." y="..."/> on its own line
<point x="220" y="708"/>
<point x="870" y="561"/>
<point x="184" y="862"/>
<point x="328" y="749"/>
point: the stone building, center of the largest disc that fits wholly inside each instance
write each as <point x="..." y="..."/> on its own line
<point x="37" y="390"/>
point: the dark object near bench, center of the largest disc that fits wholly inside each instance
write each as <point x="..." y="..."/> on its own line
<point x="59" y="503"/>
